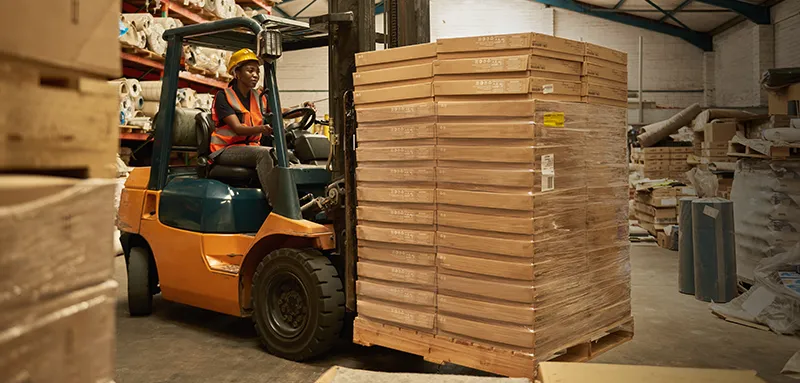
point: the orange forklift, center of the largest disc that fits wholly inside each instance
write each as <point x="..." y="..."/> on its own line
<point x="209" y="237"/>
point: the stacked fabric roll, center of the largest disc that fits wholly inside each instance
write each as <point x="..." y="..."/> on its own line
<point x="225" y="9"/>
<point x="130" y="98"/>
<point x="142" y="30"/>
<point x="134" y="26"/>
<point x="212" y="60"/>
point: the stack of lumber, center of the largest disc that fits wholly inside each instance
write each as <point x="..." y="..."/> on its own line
<point x="656" y="205"/>
<point x="605" y="76"/>
<point x="527" y="263"/>
<point x="396" y="182"/>
<point x="57" y="296"/>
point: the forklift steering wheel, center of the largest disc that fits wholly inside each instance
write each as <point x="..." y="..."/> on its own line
<point x="309" y="115"/>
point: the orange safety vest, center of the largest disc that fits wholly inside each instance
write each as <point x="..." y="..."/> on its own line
<point x="223" y="134"/>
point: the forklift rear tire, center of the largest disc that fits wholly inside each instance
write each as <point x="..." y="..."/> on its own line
<point x="140" y="296"/>
<point x="298" y="303"/>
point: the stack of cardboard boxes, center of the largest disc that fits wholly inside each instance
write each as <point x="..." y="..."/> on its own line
<point x="604" y="76"/>
<point x="658" y="162"/>
<point x="58" y="116"/>
<point x="396" y="186"/>
<point x="656" y="205"/>
<point x="525" y="259"/>
<point x="712" y="144"/>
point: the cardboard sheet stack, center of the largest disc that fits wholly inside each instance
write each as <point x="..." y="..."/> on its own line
<point x="57" y="295"/>
<point x="605" y="76"/>
<point x="520" y="263"/>
<point x="396" y="185"/>
<point x="656" y="205"/>
<point x="658" y="162"/>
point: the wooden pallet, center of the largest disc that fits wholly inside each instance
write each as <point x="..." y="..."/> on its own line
<point x="141" y="52"/>
<point x="737" y="149"/>
<point x="131" y="129"/>
<point x="507" y="362"/>
<point x="78" y="138"/>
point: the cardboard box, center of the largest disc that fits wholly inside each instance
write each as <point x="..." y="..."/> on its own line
<point x="394" y="93"/>
<point x="80" y="35"/>
<point x="67" y="339"/>
<point x="778" y="101"/>
<point x="547" y="64"/>
<point x="605" y="63"/>
<point x="378" y="59"/>
<point x="656" y="163"/>
<point x="557" y="44"/>
<point x="665" y="155"/>
<point x="602" y="91"/>
<point x="414" y="109"/>
<point x="503" y="64"/>
<point x="604" y="82"/>
<point x="402" y="73"/>
<point x="657" y="149"/>
<point x="721" y="130"/>
<point x="679" y="156"/>
<point x="56" y="237"/>
<point x="607" y="54"/>
<point x="550" y="86"/>
<point x="604" y="101"/>
<point x="481" y="87"/>
<point x="484" y="43"/>
<point x="681" y="149"/>
<point x="608" y="73"/>
<point x="715" y="152"/>
<point x="80" y="133"/>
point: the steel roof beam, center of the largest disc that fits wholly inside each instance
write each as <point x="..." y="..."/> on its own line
<point x="755" y="13"/>
<point x="675" y="19"/>
<point x="698" y="39"/>
<point x="679" y="8"/>
<point x="619" y="4"/>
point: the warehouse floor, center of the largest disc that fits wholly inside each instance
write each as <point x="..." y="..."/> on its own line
<point x="184" y="344"/>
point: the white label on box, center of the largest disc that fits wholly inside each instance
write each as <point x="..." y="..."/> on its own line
<point x="669" y="202"/>
<point x="547" y="88"/>
<point x="548" y="172"/>
<point x="548" y="182"/>
<point x="711" y="212"/>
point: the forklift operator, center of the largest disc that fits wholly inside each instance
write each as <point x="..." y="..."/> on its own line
<point x="238" y="119"/>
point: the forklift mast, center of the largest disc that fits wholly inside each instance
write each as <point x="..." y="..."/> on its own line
<point x="351" y="29"/>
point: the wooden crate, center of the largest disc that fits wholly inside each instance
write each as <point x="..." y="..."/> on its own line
<point x="54" y="121"/>
<point x="442" y="349"/>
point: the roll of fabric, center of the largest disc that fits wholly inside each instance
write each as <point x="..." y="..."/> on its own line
<point x="151" y="90"/>
<point x="155" y="42"/>
<point x="186" y="98"/>
<point x="685" y="247"/>
<point x="204" y="101"/>
<point x="138" y="102"/>
<point x="142" y="121"/>
<point x="240" y="11"/>
<point x="134" y="89"/>
<point x="140" y="21"/>
<point x="141" y="39"/>
<point x="121" y="85"/>
<point x="714" y="250"/>
<point x="167" y="22"/>
<point x="130" y="37"/>
<point x="126" y="107"/>
<point x="150" y="108"/>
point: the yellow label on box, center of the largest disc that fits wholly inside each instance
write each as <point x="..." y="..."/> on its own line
<point x="554" y="119"/>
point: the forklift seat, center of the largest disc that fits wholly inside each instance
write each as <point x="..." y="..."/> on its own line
<point x="232" y="175"/>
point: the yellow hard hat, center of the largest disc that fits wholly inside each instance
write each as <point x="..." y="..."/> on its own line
<point x="240" y="56"/>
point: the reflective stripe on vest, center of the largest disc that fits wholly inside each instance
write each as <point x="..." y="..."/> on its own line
<point x="223" y="134"/>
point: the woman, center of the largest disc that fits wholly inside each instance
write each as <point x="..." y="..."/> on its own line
<point x="238" y="119"/>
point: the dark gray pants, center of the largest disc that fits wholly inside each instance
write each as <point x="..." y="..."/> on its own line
<point x="257" y="157"/>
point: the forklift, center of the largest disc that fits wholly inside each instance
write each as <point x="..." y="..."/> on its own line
<point x="208" y="236"/>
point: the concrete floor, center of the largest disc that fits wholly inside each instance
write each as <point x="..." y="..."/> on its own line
<point x="184" y="344"/>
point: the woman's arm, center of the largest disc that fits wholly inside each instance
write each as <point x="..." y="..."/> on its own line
<point x="243" y="130"/>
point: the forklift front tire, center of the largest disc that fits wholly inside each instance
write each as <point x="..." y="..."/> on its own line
<point x="298" y="303"/>
<point x="140" y="296"/>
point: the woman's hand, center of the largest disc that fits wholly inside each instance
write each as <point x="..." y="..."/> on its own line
<point x="264" y="129"/>
<point x="310" y="104"/>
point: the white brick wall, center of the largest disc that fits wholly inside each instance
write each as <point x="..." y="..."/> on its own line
<point x="786" y="17"/>
<point x="734" y="66"/>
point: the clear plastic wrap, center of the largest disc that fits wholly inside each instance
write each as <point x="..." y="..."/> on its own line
<point x="769" y="301"/>
<point x="71" y="221"/>
<point x="766" y="196"/>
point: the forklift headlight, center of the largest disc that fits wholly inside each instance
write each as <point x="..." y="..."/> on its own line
<point x="270" y="44"/>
